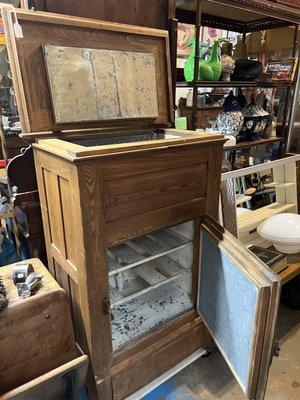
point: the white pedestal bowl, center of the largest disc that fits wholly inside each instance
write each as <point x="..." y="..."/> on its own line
<point x="283" y="230"/>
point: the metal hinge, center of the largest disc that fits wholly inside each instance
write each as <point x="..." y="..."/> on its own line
<point x="209" y="349"/>
<point x="17" y="27"/>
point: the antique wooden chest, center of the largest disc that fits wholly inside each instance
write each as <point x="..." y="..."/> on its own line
<point x="123" y="199"/>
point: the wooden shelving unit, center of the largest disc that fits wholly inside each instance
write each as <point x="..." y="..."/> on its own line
<point x="197" y="12"/>
<point x="244" y="226"/>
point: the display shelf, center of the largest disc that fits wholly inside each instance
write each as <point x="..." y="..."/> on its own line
<point x="250" y="221"/>
<point x="292" y="270"/>
<point x="142" y="249"/>
<point x="242" y="199"/>
<point x="251" y="143"/>
<point x="149" y="276"/>
<point x="147" y="312"/>
<point x="279" y="185"/>
<point x="230" y="84"/>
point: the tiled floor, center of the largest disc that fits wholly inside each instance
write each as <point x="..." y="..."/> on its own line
<point x="210" y="378"/>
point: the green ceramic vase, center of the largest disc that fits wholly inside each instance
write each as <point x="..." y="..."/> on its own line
<point x="210" y="69"/>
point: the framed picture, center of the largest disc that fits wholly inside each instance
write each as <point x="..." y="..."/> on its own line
<point x="282" y="70"/>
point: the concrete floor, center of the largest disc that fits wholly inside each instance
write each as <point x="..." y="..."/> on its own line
<point x="211" y="379"/>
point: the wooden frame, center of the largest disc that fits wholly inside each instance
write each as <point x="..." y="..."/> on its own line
<point x="263" y="337"/>
<point x="260" y="273"/>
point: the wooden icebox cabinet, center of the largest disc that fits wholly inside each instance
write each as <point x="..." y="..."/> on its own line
<point x="124" y="199"/>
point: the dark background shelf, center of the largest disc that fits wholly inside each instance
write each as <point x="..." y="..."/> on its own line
<point x="234" y="84"/>
<point x="251" y="143"/>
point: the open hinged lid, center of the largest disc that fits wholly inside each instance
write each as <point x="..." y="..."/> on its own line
<point x="238" y="301"/>
<point x="74" y="73"/>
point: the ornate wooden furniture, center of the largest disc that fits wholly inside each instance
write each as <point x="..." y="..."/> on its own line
<point x="123" y="200"/>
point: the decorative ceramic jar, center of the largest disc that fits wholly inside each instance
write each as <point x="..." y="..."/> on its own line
<point x="230" y="120"/>
<point x="256" y="120"/>
<point x="210" y="69"/>
<point x="227" y="61"/>
<point x="283" y="230"/>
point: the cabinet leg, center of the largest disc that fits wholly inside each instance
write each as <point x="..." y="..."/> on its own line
<point x="104" y="389"/>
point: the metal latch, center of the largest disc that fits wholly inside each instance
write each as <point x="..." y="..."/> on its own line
<point x="69" y="377"/>
<point x="276" y="350"/>
<point x="107" y="308"/>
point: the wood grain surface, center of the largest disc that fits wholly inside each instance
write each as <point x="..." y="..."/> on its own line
<point x="32" y="90"/>
<point x="36" y="334"/>
<point x="51" y="385"/>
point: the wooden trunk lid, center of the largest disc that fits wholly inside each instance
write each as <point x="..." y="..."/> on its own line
<point x="76" y="73"/>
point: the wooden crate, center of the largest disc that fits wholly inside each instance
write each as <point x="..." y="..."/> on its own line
<point x="37" y="344"/>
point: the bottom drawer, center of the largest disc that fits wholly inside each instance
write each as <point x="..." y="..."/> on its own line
<point x="150" y="368"/>
<point x="54" y="384"/>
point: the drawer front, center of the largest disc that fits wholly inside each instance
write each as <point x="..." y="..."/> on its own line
<point x="152" y="367"/>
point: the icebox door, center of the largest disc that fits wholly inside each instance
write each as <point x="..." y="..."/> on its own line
<point x="238" y="297"/>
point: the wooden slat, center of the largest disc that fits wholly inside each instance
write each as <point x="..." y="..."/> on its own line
<point x="125" y="197"/>
<point x="93" y="286"/>
<point x="250" y="221"/>
<point x="122" y="166"/>
<point x="126" y="228"/>
<point x="290" y="272"/>
<point x="140" y="374"/>
<point x="52" y="385"/>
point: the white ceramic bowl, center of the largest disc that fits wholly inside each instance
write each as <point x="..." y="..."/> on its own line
<point x="283" y="230"/>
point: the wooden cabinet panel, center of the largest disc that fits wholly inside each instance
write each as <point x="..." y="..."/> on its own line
<point x="125" y="197"/>
<point x="149" y="369"/>
<point x="141" y="224"/>
<point x="54" y="211"/>
<point x="154" y="160"/>
<point x="152" y="13"/>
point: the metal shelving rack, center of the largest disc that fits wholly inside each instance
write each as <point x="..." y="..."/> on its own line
<point x="272" y="15"/>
